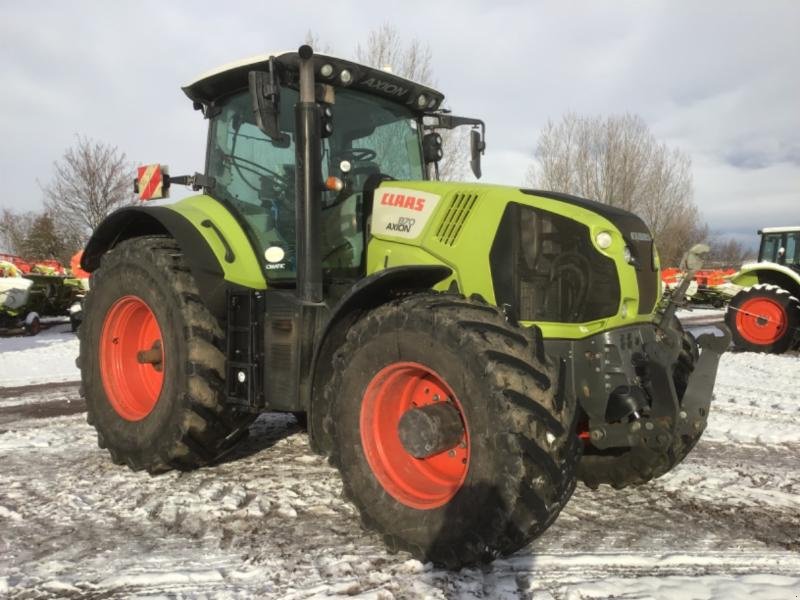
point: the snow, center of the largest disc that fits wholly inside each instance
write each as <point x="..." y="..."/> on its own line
<point x="44" y="358"/>
<point x="269" y="522"/>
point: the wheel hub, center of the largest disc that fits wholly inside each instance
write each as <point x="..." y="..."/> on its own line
<point x="415" y="441"/>
<point x="431" y="429"/>
<point x="761" y="321"/>
<point x="131" y="358"/>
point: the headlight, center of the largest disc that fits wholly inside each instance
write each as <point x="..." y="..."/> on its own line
<point x="604" y="240"/>
<point x="626" y="254"/>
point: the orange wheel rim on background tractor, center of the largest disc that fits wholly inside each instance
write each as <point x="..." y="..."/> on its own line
<point x="131" y="358"/>
<point x="421" y="483"/>
<point x="761" y="321"/>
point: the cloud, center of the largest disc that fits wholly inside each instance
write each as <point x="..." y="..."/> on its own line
<point x="716" y="79"/>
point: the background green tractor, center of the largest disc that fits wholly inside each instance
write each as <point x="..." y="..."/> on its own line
<point x="456" y="347"/>
<point x="765" y="315"/>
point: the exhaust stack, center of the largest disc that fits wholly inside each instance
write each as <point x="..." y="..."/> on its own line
<point x="307" y="184"/>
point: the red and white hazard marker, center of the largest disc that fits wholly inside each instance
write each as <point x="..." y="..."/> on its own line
<point x="151" y="182"/>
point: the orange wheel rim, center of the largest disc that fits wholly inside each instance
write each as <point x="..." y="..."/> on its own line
<point x="761" y="321"/>
<point x="131" y="358"/>
<point x="420" y="483"/>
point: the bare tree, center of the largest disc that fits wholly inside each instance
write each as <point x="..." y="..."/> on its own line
<point x="316" y="42"/>
<point x="618" y="161"/>
<point x="386" y="49"/>
<point x="728" y="252"/>
<point x="90" y="181"/>
<point x="14" y="228"/>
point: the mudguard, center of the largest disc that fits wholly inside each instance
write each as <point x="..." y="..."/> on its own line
<point x="215" y="245"/>
<point x="766" y="272"/>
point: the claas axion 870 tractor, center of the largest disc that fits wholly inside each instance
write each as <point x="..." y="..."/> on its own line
<point x="463" y="353"/>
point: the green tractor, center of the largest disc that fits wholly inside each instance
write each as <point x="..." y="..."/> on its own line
<point x="765" y="315"/>
<point x="462" y="353"/>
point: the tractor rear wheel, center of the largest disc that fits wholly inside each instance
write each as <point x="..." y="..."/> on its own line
<point x="624" y="467"/>
<point x="763" y="318"/>
<point x="448" y="431"/>
<point x="151" y="365"/>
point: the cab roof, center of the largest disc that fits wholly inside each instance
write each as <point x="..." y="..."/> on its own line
<point x="779" y="229"/>
<point x="217" y="84"/>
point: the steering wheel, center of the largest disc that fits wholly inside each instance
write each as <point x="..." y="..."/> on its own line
<point x="358" y="154"/>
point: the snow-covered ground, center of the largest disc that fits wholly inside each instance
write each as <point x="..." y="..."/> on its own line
<point x="44" y="358"/>
<point x="269" y="521"/>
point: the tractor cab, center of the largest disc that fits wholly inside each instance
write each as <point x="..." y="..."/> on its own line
<point x="780" y="245"/>
<point x="374" y="127"/>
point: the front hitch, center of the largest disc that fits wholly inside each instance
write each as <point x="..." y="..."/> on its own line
<point x="693" y="416"/>
<point x="668" y="416"/>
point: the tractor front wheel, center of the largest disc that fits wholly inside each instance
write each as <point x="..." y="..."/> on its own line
<point x="448" y="431"/>
<point x="151" y="366"/>
<point x="763" y="318"/>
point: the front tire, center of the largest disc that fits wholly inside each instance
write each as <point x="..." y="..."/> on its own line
<point x="151" y="365"/>
<point x="763" y="318"/>
<point x="511" y="471"/>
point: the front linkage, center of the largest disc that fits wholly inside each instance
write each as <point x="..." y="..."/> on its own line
<point x="644" y="392"/>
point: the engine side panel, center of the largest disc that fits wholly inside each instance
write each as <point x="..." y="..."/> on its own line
<point x="464" y="223"/>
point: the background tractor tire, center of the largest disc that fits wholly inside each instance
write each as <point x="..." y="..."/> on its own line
<point x="514" y="468"/>
<point x="624" y="467"/>
<point x="32" y="325"/>
<point x="169" y="411"/>
<point x="763" y="318"/>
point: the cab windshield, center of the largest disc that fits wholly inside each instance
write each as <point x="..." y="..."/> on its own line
<point x="782" y="248"/>
<point x="372" y="138"/>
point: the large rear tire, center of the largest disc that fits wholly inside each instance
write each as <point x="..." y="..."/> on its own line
<point x="513" y="468"/>
<point x="625" y="467"/>
<point x="763" y="318"/>
<point x="151" y="365"/>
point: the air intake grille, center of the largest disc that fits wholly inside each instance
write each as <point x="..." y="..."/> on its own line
<point x="450" y="228"/>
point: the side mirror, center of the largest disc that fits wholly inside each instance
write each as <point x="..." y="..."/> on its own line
<point x="477" y="146"/>
<point x="265" y="96"/>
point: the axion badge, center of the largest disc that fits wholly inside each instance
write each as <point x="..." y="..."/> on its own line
<point x="399" y="212"/>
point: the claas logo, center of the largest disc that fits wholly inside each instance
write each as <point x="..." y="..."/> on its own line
<point x="149" y="183"/>
<point x="403" y="201"/>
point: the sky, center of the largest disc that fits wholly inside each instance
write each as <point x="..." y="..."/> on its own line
<point x="718" y="80"/>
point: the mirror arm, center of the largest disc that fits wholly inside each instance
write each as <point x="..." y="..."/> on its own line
<point x="478" y="146"/>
